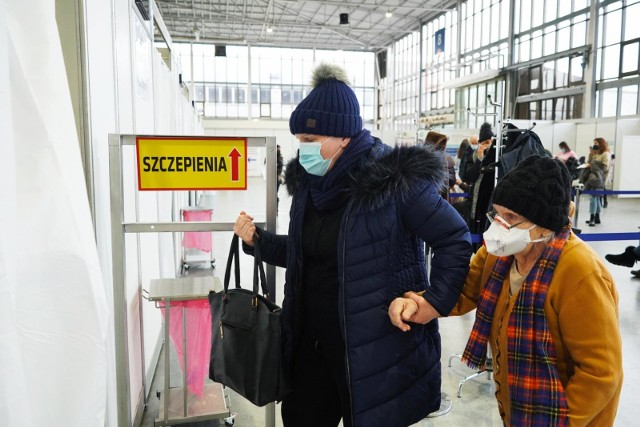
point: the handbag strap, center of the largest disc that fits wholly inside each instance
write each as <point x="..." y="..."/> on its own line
<point x="258" y="268"/>
<point x="259" y="278"/>
<point x="234" y="257"/>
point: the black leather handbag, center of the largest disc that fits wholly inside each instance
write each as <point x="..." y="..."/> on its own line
<point x="245" y="340"/>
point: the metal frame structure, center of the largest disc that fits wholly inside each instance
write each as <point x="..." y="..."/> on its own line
<point x="297" y="24"/>
<point x="120" y="228"/>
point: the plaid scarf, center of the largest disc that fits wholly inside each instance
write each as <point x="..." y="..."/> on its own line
<point x="537" y="396"/>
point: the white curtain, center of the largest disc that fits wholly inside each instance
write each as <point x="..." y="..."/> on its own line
<point x="53" y="311"/>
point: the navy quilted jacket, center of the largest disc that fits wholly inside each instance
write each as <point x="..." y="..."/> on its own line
<point x="393" y="209"/>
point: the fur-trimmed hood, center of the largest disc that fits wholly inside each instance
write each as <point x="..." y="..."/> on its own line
<point x="384" y="172"/>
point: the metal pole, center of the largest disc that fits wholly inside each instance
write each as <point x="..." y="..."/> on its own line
<point x="270" y="409"/>
<point x="575" y="214"/>
<point x="499" y="136"/>
<point x="249" y="84"/>
<point x="118" y="272"/>
<point x="184" y="361"/>
<point x="167" y="371"/>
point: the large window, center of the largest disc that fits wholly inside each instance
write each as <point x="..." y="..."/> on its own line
<point x="618" y="58"/>
<point x="279" y="79"/>
<point x="439" y="63"/>
<point x="554" y="56"/>
<point x="472" y="104"/>
<point x="484" y="22"/>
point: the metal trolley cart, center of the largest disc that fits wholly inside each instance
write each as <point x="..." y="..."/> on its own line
<point x="177" y="405"/>
<point x="133" y="234"/>
<point x="197" y="246"/>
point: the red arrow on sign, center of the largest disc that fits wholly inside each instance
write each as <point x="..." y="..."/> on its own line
<point x="235" y="155"/>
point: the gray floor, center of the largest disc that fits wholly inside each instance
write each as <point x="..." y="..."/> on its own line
<point x="477" y="406"/>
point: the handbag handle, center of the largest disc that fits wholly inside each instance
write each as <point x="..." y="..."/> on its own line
<point x="259" y="278"/>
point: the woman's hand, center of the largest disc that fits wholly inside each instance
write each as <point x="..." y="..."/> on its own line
<point x="245" y="228"/>
<point x="412" y="307"/>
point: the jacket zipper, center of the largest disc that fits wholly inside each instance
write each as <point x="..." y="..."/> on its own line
<point x="344" y="311"/>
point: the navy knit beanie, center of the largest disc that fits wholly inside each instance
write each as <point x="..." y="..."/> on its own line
<point x="330" y="109"/>
<point x="539" y="189"/>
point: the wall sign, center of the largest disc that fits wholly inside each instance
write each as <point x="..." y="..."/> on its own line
<point x="439" y="41"/>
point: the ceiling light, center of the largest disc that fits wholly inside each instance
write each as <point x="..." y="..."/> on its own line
<point x="269" y="30"/>
<point x="388" y="14"/>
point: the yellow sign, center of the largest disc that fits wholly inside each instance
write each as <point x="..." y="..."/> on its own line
<point x="176" y="163"/>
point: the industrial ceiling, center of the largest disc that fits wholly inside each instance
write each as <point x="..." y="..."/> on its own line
<point x="369" y="25"/>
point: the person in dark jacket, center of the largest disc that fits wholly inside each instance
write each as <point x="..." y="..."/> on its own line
<point x="464" y="150"/>
<point x="466" y="170"/>
<point x="361" y="214"/>
<point x="439" y="142"/>
<point x="482" y="178"/>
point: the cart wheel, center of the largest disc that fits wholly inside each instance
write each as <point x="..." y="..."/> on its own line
<point x="186" y="266"/>
<point x="230" y="420"/>
<point x="213" y="264"/>
<point x="158" y="394"/>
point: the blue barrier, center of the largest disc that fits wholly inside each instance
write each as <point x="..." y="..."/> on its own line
<point x="587" y="237"/>
<point x="589" y="192"/>
<point x="603" y="192"/>
<point x="605" y="237"/>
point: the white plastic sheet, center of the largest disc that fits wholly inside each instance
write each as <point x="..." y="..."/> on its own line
<point x="52" y="304"/>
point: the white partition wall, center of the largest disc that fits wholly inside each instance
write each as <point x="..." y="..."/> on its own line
<point x="130" y="90"/>
<point x="627" y="157"/>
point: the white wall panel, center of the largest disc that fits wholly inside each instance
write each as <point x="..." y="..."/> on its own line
<point x="585" y="132"/>
<point x="564" y="132"/>
<point x="101" y="93"/>
<point x="627" y="171"/>
<point x="123" y="55"/>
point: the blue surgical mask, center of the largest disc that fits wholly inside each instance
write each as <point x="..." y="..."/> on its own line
<point x="311" y="159"/>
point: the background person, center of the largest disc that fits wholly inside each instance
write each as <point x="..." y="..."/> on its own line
<point x="361" y="213"/>
<point x="565" y="153"/>
<point x="463" y="150"/>
<point x="439" y="142"/>
<point x="545" y="303"/>
<point x="483" y="178"/>
<point x="628" y="258"/>
<point x="594" y="175"/>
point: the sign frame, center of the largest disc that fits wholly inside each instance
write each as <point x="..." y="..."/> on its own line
<point x="241" y="152"/>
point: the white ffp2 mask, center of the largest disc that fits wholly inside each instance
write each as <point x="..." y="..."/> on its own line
<point x="503" y="241"/>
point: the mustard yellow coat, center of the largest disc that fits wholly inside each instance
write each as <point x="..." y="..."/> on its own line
<point x="582" y="311"/>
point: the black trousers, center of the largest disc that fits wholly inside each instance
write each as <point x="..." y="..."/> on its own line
<point x="320" y="396"/>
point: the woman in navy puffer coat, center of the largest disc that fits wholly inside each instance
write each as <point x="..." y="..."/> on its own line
<point x="356" y="241"/>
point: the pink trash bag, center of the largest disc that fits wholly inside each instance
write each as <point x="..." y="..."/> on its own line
<point x="198" y="316"/>
<point x="200" y="240"/>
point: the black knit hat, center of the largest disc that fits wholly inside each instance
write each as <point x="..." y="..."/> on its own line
<point x="330" y="109"/>
<point x="539" y="189"/>
<point x="485" y="132"/>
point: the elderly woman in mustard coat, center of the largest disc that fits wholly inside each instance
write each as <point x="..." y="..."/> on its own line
<point x="546" y="305"/>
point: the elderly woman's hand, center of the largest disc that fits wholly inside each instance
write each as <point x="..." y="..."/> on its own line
<point x="412" y="307"/>
<point x="245" y="228"/>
